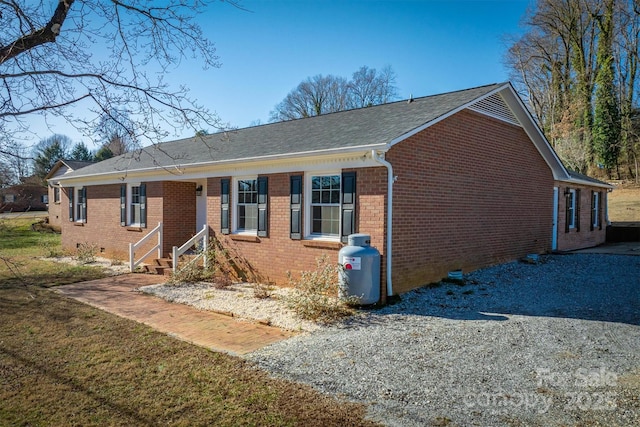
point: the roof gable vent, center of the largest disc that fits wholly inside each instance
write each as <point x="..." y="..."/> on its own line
<point x="495" y="106"/>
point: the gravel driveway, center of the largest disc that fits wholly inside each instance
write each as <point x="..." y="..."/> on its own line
<point x="556" y="343"/>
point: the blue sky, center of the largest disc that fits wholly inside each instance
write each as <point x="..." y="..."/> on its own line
<point x="433" y="46"/>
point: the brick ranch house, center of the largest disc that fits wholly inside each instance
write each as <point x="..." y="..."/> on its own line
<point x="460" y="180"/>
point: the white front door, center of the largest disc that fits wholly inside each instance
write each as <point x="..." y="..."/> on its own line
<point x="201" y="204"/>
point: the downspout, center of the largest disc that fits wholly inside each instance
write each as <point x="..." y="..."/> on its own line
<point x="390" y="181"/>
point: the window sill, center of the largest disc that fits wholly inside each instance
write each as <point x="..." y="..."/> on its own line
<point x="244" y="238"/>
<point x="322" y="244"/>
<point x="78" y="224"/>
<point x="134" y="228"/>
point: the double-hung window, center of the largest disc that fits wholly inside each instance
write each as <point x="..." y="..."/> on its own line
<point x="595" y="210"/>
<point x="571" y="209"/>
<point x="324" y="206"/>
<point x="246" y="198"/>
<point x="572" y="221"/>
<point x="133" y="205"/>
<point x="78" y="204"/>
<point x="328" y="208"/>
<point x="56" y="194"/>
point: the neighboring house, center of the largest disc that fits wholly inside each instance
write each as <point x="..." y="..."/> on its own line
<point x="61" y="168"/>
<point x="467" y="179"/>
<point x="29" y="195"/>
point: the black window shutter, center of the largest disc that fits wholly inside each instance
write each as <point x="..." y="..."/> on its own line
<point x="71" y="191"/>
<point x="123" y="204"/>
<point x="567" y="210"/>
<point x="143" y="205"/>
<point x="262" y="206"/>
<point x="296" y="207"/>
<point x="348" y="205"/>
<point x="224" y="206"/>
<point x="83" y="206"/>
<point x="600" y="201"/>
<point x="578" y="200"/>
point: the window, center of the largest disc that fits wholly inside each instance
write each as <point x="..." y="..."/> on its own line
<point x="324" y="205"/>
<point x="56" y="194"/>
<point x="78" y="204"/>
<point x="329" y="209"/>
<point x="246" y="198"/>
<point x="44" y="198"/>
<point x="571" y="209"/>
<point x="9" y="198"/>
<point x="133" y="205"/>
<point x="595" y="210"/>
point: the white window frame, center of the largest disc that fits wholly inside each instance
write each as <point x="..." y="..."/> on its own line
<point x="56" y="194"/>
<point x="308" y="207"/>
<point x="572" y="200"/>
<point x="77" y="205"/>
<point x="234" y="212"/>
<point x="595" y="209"/>
<point x="129" y="205"/>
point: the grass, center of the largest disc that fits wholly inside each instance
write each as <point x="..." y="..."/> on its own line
<point x="624" y="203"/>
<point x="66" y="363"/>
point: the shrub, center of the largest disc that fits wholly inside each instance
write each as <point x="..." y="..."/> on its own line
<point x="314" y="296"/>
<point x="86" y="253"/>
<point x="261" y="291"/>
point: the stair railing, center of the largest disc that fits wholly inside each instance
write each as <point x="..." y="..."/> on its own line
<point x="133" y="246"/>
<point x="201" y="235"/>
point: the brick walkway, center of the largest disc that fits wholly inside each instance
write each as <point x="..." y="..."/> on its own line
<point x="217" y="332"/>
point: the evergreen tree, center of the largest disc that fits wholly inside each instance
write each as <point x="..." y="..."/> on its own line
<point x="48" y="152"/>
<point x="80" y="152"/>
<point x="103" y="153"/>
<point x="606" y="121"/>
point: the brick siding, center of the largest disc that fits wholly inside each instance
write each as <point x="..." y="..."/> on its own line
<point x="169" y="202"/>
<point x="273" y="256"/>
<point x="472" y="191"/>
<point x="585" y="237"/>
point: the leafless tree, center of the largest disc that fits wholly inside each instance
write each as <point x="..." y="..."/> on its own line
<point x="369" y="87"/>
<point x="329" y="94"/>
<point x="50" y="60"/>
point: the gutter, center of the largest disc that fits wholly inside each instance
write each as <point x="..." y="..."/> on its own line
<point x="390" y="181"/>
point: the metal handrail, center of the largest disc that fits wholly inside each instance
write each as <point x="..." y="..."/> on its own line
<point x="133" y="246"/>
<point x="177" y="251"/>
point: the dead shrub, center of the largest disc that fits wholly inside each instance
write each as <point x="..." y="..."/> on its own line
<point x="86" y="252"/>
<point x="314" y="295"/>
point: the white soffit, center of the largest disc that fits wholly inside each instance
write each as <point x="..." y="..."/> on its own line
<point x="494" y="106"/>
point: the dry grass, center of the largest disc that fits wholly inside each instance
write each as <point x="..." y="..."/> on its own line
<point x="65" y="363"/>
<point x="624" y="204"/>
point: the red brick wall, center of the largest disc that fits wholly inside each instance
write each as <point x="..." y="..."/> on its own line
<point x="585" y="238"/>
<point x="179" y="213"/>
<point x="471" y="191"/>
<point x="271" y="257"/>
<point x="56" y="212"/>
<point x="172" y="203"/>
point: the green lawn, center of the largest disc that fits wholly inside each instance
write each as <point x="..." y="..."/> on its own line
<point x="65" y="363"/>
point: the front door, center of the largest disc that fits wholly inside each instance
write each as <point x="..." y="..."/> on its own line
<point x="201" y="204"/>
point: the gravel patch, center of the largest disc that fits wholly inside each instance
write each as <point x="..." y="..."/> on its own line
<point x="551" y="344"/>
<point x="237" y="300"/>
